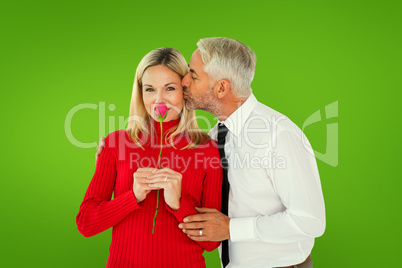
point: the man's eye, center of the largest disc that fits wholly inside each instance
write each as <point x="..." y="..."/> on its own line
<point x="170" y="88"/>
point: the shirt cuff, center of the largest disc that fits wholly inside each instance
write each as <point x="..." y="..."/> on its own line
<point x="242" y="229"/>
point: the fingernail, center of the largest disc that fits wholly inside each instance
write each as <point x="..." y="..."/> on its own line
<point x="184" y="230"/>
<point x="180" y="226"/>
<point x="185" y="220"/>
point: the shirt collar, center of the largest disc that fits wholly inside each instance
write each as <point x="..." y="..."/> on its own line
<point x="238" y="118"/>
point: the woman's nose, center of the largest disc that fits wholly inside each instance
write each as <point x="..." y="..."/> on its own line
<point x="160" y="97"/>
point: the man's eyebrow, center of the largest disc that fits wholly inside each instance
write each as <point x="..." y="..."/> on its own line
<point x="192" y="70"/>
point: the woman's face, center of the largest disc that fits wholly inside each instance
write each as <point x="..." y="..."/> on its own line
<point x="162" y="85"/>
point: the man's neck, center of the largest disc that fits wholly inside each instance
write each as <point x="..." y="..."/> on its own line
<point x="229" y="106"/>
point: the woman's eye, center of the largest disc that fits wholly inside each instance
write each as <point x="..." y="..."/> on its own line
<point x="192" y="77"/>
<point x="170" y="88"/>
<point x="149" y="89"/>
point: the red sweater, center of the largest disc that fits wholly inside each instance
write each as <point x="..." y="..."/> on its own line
<point x="133" y="244"/>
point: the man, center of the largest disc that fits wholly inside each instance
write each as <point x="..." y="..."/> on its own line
<point x="274" y="204"/>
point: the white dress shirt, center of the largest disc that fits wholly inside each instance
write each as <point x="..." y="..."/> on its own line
<point x="276" y="206"/>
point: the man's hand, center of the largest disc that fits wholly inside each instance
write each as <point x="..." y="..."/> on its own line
<point x="214" y="225"/>
<point x="99" y="148"/>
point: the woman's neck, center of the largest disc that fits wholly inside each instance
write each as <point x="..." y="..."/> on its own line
<point x="166" y="126"/>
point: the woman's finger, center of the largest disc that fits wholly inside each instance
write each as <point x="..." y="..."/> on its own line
<point x="166" y="170"/>
<point x="163" y="175"/>
<point x="161" y="179"/>
<point x="142" y="174"/>
<point x="152" y="170"/>
<point x="157" y="185"/>
<point x="143" y="186"/>
<point x="140" y="180"/>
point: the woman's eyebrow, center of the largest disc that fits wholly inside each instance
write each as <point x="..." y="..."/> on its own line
<point x="170" y="83"/>
<point x="146" y="85"/>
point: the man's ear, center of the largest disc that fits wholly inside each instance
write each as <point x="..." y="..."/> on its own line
<point x="222" y="88"/>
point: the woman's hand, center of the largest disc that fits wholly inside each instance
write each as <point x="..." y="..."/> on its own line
<point x="170" y="181"/>
<point x="140" y="185"/>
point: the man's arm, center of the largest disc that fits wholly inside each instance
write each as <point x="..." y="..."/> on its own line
<point x="213" y="223"/>
<point x="299" y="188"/>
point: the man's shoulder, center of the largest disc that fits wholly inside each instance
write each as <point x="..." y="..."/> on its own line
<point x="265" y="110"/>
<point x="267" y="116"/>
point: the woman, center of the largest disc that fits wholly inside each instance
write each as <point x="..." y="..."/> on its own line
<point x="190" y="177"/>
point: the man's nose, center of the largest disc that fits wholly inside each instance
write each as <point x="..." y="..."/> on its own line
<point x="185" y="80"/>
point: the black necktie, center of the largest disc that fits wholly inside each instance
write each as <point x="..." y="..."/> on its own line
<point x="222" y="131"/>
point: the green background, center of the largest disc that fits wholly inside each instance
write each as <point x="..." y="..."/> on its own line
<point x="58" y="54"/>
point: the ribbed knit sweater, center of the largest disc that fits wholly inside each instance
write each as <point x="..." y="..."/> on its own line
<point x="133" y="244"/>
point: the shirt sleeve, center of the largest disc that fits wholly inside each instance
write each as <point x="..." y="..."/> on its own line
<point x="299" y="188"/>
<point x="98" y="212"/>
<point x="211" y="196"/>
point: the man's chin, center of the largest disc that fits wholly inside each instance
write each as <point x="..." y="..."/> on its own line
<point x="189" y="105"/>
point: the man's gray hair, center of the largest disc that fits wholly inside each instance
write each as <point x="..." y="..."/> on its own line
<point x="229" y="59"/>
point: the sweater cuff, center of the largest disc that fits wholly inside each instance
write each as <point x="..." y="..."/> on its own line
<point x="131" y="200"/>
<point x="185" y="210"/>
<point x="242" y="229"/>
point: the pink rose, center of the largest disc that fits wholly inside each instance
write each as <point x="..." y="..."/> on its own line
<point x="160" y="111"/>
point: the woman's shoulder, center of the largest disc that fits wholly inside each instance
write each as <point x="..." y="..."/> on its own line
<point x="210" y="153"/>
<point x="211" y="143"/>
<point x="118" y="138"/>
<point x="116" y="135"/>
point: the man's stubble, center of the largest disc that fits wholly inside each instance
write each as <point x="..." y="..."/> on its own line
<point x="207" y="102"/>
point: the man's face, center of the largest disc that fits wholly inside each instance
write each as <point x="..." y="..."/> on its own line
<point x="198" y="86"/>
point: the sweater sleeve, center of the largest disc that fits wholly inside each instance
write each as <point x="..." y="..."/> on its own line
<point x="211" y="195"/>
<point x="98" y="212"/>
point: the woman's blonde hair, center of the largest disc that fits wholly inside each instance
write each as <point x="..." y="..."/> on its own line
<point x="139" y="120"/>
